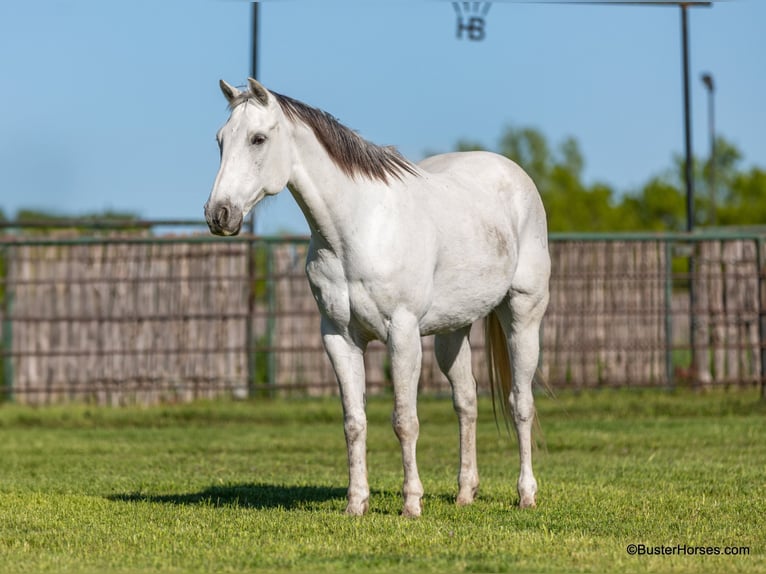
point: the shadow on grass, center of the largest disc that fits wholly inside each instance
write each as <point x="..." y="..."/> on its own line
<point x="260" y="496"/>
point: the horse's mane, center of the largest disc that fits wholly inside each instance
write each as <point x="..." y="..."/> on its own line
<point x="349" y="151"/>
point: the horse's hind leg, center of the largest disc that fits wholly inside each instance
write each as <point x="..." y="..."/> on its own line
<point x="453" y="354"/>
<point x="521" y="317"/>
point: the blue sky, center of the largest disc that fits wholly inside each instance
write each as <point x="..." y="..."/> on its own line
<point x="108" y="105"/>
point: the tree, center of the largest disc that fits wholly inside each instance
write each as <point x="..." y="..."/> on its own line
<point x="39" y="221"/>
<point x="557" y="172"/>
<point x="659" y="206"/>
<point x="529" y="148"/>
<point x="745" y="199"/>
<point x="724" y="172"/>
<point x="739" y="197"/>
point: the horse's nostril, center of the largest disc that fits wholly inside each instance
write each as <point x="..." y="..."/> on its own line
<point x="221" y="217"/>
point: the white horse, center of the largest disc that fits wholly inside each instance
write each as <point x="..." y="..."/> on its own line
<point x="398" y="251"/>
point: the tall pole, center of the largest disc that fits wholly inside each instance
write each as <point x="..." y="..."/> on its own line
<point x="687" y="122"/>
<point x="250" y="344"/>
<point x="254" y="43"/>
<point x="253" y="74"/>
<point x="707" y="79"/>
<point x="697" y="368"/>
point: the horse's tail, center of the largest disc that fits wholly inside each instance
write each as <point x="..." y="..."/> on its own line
<point x="501" y="374"/>
<point x="499" y="367"/>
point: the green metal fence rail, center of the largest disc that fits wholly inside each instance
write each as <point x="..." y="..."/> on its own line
<point x="115" y="316"/>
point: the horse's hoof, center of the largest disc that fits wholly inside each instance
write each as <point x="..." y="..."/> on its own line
<point x="466" y="496"/>
<point x="527" y="490"/>
<point x="413" y="509"/>
<point x="357" y="509"/>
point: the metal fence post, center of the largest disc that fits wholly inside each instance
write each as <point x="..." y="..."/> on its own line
<point x="669" y="314"/>
<point x="271" y="319"/>
<point x="759" y="250"/>
<point x="249" y="342"/>
<point x="8" y="344"/>
<point x="692" y="280"/>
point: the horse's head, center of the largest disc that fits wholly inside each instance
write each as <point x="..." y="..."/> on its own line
<point x="255" y="157"/>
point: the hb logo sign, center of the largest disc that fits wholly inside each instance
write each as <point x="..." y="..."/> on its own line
<point x="470" y="19"/>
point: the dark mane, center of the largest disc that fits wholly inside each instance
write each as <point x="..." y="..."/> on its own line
<point x="351" y="153"/>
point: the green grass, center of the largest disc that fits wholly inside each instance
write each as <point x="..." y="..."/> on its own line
<point x="259" y="487"/>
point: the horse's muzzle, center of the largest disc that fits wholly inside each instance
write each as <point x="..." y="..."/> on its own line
<point x="223" y="219"/>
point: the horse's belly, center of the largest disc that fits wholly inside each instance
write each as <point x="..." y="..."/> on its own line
<point x="459" y="303"/>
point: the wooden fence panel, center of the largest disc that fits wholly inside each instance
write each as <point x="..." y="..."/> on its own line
<point x="728" y="310"/>
<point x="130" y="321"/>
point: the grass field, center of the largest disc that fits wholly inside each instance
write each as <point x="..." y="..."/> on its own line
<point x="260" y="486"/>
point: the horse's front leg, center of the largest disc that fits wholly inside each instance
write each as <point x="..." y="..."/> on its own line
<point x="405" y="348"/>
<point x="347" y="359"/>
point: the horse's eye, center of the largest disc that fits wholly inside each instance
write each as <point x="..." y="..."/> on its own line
<point x="257" y="139"/>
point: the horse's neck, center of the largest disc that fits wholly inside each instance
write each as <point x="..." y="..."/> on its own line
<point x="331" y="201"/>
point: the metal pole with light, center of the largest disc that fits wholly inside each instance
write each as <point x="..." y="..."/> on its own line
<point x="707" y="79"/>
<point x="689" y="183"/>
<point x="687" y="121"/>
<point x="696" y="341"/>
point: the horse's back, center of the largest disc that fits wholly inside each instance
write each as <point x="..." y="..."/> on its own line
<point x="484" y="165"/>
<point x="490" y="185"/>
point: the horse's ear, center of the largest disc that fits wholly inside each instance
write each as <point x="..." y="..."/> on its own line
<point x="229" y="92"/>
<point x="261" y="94"/>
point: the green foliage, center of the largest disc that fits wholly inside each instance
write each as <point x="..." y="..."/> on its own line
<point x="529" y="148"/>
<point x="739" y="197"/>
<point x="90" y="223"/>
<point x="745" y="201"/>
<point x="25" y="215"/>
<point x="260" y="487"/>
<point x="659" y="206"/>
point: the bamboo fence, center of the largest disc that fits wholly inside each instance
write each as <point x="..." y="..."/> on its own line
<point x="125" y="322"/>
<point x="146" y="321"/>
